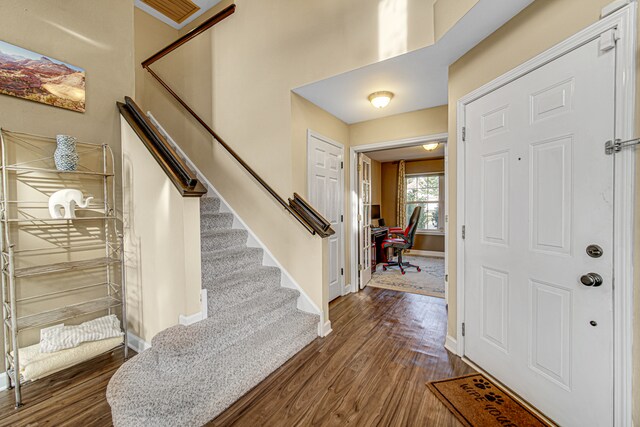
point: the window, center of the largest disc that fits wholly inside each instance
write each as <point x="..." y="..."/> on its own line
<point x="426" y="191"/>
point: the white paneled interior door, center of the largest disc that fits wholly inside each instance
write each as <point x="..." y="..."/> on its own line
<point x="364" y="218"/>
<point x="326" y="192"/>
<point x="538" y="200"/>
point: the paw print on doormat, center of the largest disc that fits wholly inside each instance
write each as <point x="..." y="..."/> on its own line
<point x="481" y="383"/>
<point x="494" y="398"/>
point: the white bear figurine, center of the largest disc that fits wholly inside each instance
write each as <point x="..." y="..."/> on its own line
<point x="68" y="199"/>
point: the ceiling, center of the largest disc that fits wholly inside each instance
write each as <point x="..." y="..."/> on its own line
<point x="176" y="9"/>
<point x="406" y="153"/>
<point x="419" y="78"/>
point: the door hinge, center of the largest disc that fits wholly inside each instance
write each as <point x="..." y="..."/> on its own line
<point x="341" y="165"/>
<point x="360" y="268"/>
<point x="359" y="218"/>
<point x="341" y="218"/>
<point x="464" y="232"/>
<point x="446" y="277"/>
<point x="342" y="271"/>
<point x="464" y="133"/>
<point x="615" y="146"/>
<point x="608" y="40"/>
<point x="359" y="167"/>
<point x="463" y="329"/>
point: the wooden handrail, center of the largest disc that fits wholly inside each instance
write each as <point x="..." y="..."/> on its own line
<point x="227" y="11"/>
<point x="297" y="207"/>
<point x="179" y="173"/>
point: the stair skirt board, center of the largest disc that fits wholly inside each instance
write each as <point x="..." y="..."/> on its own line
<point x="254" y="318"/>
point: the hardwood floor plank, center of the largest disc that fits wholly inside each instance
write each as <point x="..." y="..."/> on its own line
<point x="372" y="370"/>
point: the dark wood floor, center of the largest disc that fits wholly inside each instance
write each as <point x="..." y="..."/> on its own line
<point x="371" y="371"/>
<point x="73" y="397"/>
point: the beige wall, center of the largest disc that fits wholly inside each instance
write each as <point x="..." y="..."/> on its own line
<point x="247" y="72"/>
<point x="92" y="34"/>
<point x="429" y="121"/>
<point x="162" y="243"/>
<point x="537" y="28"/>
<point x="448" y="12"/>
<point x="423" y="242"/>
<point x="307" y="116"/>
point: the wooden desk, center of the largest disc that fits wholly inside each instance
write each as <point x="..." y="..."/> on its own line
<point x="378" y="234"/>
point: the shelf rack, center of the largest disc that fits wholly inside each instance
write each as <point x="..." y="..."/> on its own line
<point x="30" y="252"/>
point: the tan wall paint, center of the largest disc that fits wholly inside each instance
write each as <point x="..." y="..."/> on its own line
<point x="303" y="42"/>
<point x="423" y="242"/>
<point x="429" y="121"/>
<point x="307" y="116"/>
<point x="91" y="34"/>
<point x="151" y="35"/>
<point x="537" y="28"/>
<point x="448" y="12"/>
<point x="162" y="243"/>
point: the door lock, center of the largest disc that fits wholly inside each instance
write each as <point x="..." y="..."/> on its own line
<point x="591" y="279"/>
<point x="594" y="251"/>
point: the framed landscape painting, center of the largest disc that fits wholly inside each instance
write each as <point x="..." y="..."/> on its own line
<point x="36" y="77"/>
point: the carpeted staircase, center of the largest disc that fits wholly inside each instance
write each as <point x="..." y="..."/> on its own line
<point x="192" y="373"/>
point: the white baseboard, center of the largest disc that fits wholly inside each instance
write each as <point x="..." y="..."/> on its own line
<point x="451" y="344"/>
<point x="196" y="317"/>
<point x="425" y="253"/>
<point x="4" y="381"/>
<point x="324" y="328"/>
<point x="204" y="304"/>
<point x="190" y="320"/>
<point x="136" y="343"/>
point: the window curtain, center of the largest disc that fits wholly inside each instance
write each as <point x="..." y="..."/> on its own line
<point x="401" y="214"/>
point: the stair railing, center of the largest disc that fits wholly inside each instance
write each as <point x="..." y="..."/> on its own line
<point x="297" y="207"/>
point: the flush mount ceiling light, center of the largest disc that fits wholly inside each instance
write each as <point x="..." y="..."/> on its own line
<point x="430" y="147"/>
<point x="380" y="99"/>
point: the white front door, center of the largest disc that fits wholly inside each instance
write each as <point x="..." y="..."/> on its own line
<point x="538" y="197"/>
<point x="326" y="196"/>
<point x="364" y="218"/>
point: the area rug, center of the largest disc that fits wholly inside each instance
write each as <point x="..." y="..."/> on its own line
<point x="429" y="281"/>
<point x="477" y="402"/>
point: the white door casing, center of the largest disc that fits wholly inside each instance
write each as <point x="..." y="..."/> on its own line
<point x="538" y="191"/>
<point x="326" y="192"/>
<point x="364" y="218"/>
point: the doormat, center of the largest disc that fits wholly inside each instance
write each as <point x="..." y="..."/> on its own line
<point x="477" y="402"/>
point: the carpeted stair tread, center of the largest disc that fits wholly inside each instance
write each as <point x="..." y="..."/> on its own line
<point x="256" y="273"/>
<point x="211" y="384"/>
<point x="241" y="287"/>
<point x="252" y="327"/>
<point x="209" y="205"/>
<point x="211" y="240"/>
<point x="211" y="221"/>
<point x="226" y="261"/>
<point x="222" y="329"/>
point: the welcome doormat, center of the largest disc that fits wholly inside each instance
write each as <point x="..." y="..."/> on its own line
<point x="477" y="402"/>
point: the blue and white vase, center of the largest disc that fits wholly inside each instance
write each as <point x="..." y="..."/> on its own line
<point x="65" y="156"/>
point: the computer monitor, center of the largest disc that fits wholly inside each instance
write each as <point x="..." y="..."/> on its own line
<point x="375" y="211"/>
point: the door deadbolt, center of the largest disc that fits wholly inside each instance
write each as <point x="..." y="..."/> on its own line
<point x="594" y="251"/>
<point x="591" y="279"/>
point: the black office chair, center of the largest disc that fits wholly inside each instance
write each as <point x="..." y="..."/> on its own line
<point x="403" y="241"/>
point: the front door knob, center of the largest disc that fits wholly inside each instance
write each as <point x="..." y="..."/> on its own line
<point x="591" y="279"/>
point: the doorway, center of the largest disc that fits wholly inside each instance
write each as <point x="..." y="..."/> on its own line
<point x="374" y="217"/>
<point x="325" y="178"/>
<point x="544" y="210"/>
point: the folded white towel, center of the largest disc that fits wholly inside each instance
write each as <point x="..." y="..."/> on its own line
<point x="35" y="365"/>
<point x="62" y="337"/>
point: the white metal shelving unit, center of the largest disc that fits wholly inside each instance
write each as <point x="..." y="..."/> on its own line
<point x="55" y="270"/>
